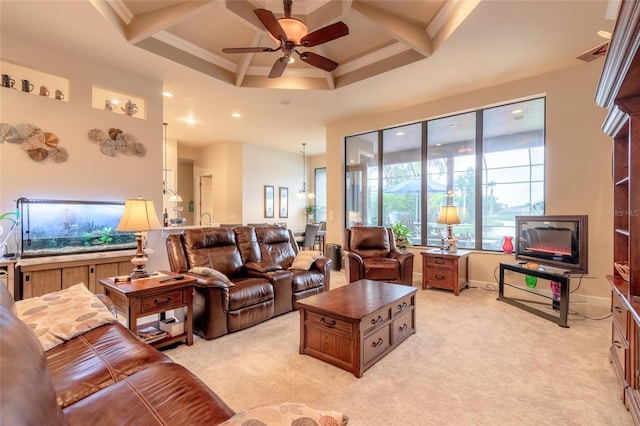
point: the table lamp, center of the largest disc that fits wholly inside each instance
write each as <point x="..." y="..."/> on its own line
<point x="139" y="216"/>
<point x="449" y="216"/>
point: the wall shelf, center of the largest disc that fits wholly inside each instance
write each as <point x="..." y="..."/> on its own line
<point x="57" y="87"/>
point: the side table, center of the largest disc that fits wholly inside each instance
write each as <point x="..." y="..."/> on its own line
<point x="154" y="295"/>
<point x="446" y="270"/>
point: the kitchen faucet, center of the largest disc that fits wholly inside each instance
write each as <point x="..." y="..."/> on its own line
<point x="210" y="218"/>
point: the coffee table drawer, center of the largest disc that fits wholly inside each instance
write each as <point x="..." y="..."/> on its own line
<point x="402" y="327"/>
<point x="163" y="302"/>
<point x="376" y="344"/>
<point x="327" y="321"/>
<point x="374" y="320"/>
<point x="401" y="306"/>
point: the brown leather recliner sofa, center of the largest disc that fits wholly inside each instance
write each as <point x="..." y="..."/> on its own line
<point x="370" y="253"/>
<point x="105" y="376"/>
<point x="257" y="283"/>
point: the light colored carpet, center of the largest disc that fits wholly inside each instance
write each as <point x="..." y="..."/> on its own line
<point x="473" y="361"/>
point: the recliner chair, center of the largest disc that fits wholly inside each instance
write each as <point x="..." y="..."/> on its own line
<point x="370" y="253"/>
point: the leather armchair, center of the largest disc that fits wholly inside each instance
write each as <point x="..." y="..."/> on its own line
<point x="370" y="253"/>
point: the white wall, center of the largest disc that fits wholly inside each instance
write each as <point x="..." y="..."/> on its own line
<point x="88" y="174"/>
<point x="578" y="162"/>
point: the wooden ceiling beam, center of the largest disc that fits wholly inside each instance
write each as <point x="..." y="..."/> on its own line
<point x="405" y="32"/>
<point x="145" y="25"/>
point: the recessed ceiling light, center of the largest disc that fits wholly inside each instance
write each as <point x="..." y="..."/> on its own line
<point x="236" y="115"/>
<point x="167" y="94"/>
<point x="604" y="34"/>
<point x="516" y="111"/>
<point x="191" y="120"/>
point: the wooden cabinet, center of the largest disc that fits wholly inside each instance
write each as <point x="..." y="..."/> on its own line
<point x="619" y="92"/>
<point x="445" y="270"/>
<point x="6" y="274"/>
<point x="39" y="276"/>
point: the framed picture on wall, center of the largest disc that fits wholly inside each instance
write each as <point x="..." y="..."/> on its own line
<point x="268" y="201"/>
<point x="284" y="202"/>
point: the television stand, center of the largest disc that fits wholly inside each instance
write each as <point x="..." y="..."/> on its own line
<point x="561" y="276"/>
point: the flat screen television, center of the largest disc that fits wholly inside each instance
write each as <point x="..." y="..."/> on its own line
<point x="558" y="241"/>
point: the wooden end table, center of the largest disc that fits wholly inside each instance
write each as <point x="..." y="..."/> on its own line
<point x="446" y="270"/>
<point x="153" y="295"/>
<point x="354" y="326"/>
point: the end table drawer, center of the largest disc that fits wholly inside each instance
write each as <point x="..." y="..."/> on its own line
<point x="327" y="321"/>
<point x="440" y="277"/>
<point x="163" y="302"/>
<point x="376" y="344"/>
<point x="440" y="261"/>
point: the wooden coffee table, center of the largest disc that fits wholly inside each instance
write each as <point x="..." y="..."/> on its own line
<point x="154" y="295"/>
<point x="354" y="326"/>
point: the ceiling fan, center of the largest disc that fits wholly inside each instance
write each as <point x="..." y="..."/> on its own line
<point x="291" y="34"/>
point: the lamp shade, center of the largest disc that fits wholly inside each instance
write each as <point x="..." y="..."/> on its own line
<point x="449" y="215"/>
<point x="139" y="215"/>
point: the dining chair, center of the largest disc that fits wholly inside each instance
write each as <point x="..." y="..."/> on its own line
<point x="310" y="232"/>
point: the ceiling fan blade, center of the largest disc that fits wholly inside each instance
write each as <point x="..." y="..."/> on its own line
<point x="325" y="34"/>
<point x="248" y="49"/>
<point x="318" y="61"/>
<point x="271" y="23"/>
<point x="279" y="67"/>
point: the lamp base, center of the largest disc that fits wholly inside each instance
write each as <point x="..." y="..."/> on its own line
<point x="139" y="261"/>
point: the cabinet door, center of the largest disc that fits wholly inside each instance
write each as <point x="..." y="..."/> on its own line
<point x="105" y="270"/>
<point x="125" y="268"/>
<point x="74" y="275"/>
<point x="37" y="283"/>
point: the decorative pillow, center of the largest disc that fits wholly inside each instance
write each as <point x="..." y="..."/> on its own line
<point x="287" y="414"/>
<point x="305" y="258"/>
<point x="61" y="315"/>
<point x="201" y="270"/>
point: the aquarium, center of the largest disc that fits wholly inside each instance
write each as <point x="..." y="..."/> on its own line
<point x="59" y="227"/>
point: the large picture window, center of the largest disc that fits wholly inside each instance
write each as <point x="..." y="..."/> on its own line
<point x="488" y="163"/>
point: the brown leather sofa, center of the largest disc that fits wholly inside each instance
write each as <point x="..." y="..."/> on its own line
<point x="104" y="376"/>
<point x="256" y="262"/>
<point x="370" y="253"/>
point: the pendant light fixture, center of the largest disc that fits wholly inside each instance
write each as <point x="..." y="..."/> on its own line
<point x="174" y="197"/>
<point x="304" y="192"/>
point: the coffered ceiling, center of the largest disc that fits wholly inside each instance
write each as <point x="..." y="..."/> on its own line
<point x="384" y="35"/>
<point x="397" y="54"/>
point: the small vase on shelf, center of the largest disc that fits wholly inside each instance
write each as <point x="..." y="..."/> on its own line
<point x="507" y="247"/>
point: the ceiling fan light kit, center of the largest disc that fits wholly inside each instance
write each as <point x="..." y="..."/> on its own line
<point x="291" y="33"/>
